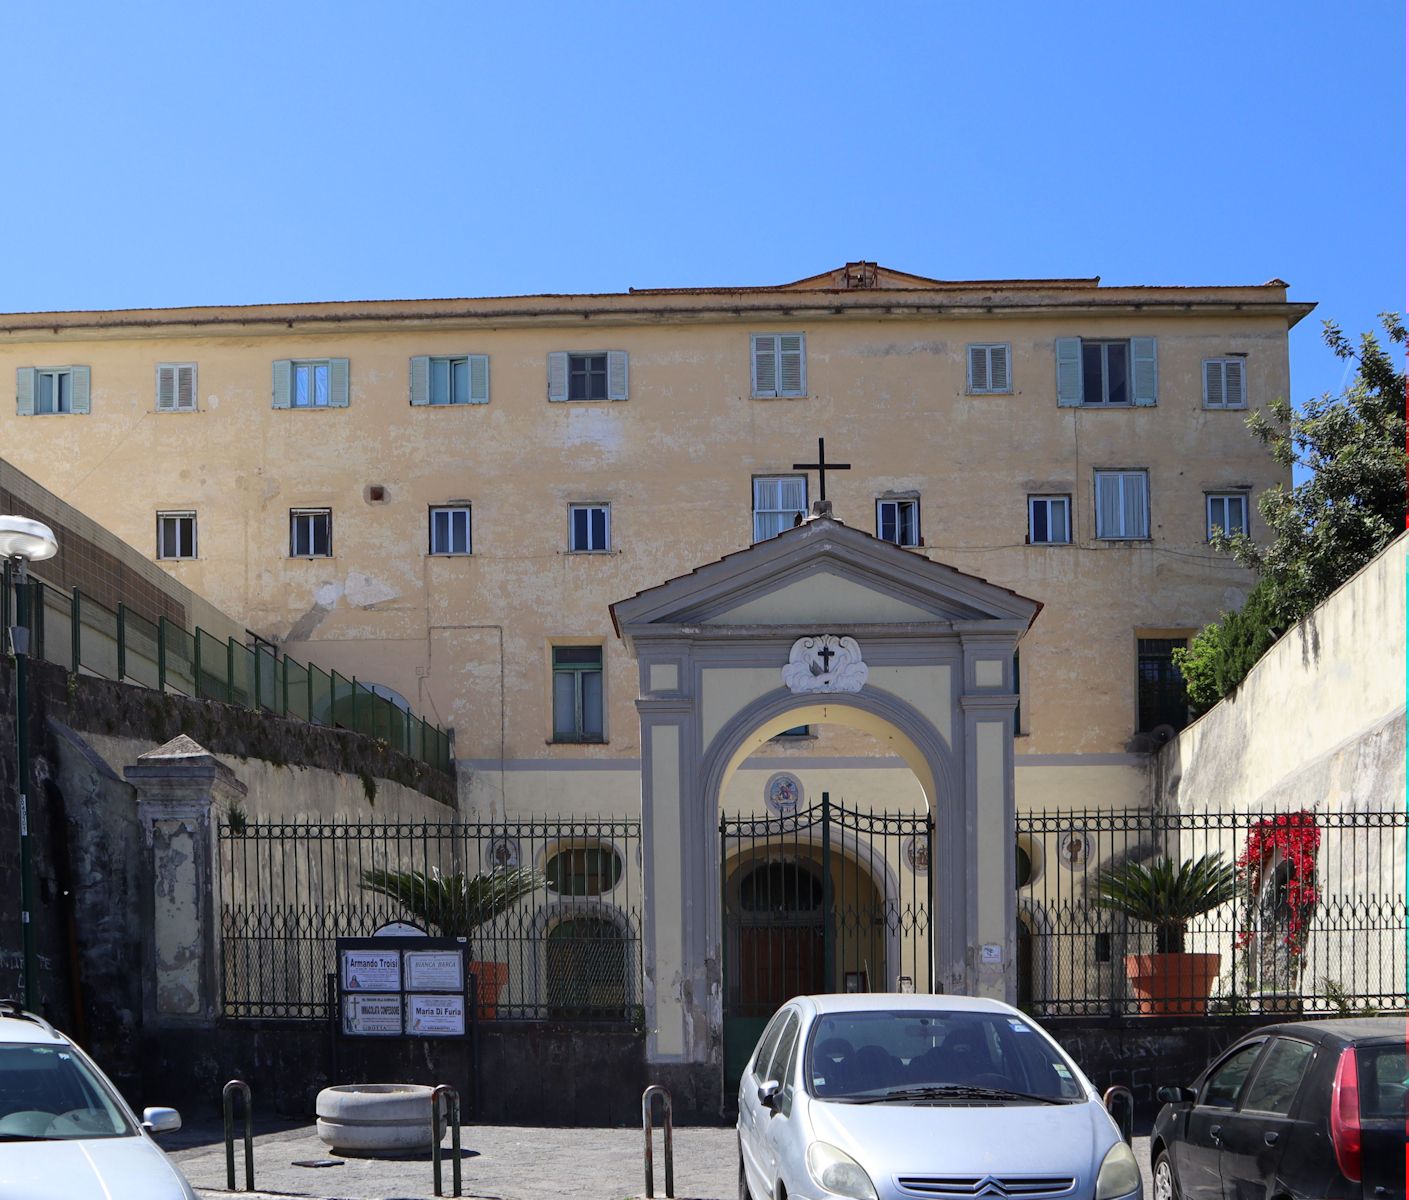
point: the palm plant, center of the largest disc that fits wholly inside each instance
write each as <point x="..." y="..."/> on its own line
<point x="1166" y="895"/>
<point x="455" y="904"/>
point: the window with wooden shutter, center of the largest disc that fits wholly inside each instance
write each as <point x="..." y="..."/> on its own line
<point x="779" y="365"/>
<point x="1224" y="383"/>
<point x="41" y="391"/>
<point x="450" y="379"/>
<point x="176" y="387"/>
<point x="988" y="368"/>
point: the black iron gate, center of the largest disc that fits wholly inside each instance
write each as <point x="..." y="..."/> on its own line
<point x="826" y="899"/>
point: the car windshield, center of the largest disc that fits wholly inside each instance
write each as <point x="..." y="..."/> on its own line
<point x="935" y="1057"/>
<point x="49" y="1092"/>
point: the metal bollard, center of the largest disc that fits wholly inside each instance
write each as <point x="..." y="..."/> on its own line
<point x="227" y="1101"/>
<point x="1126" y="1097"/>
<point x="656" y="1090"/>
<point x="452" y="1104"/>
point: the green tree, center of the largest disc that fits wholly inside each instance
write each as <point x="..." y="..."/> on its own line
<point x="1351" y="506"/>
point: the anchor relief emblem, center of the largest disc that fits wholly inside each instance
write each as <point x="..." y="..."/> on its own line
<point x="825" y="663"/>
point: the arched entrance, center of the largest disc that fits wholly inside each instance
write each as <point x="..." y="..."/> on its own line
<point x="818" y="624"/>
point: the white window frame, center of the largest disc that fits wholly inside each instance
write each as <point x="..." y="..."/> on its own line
<point x="774" y="342"/>
<point x="590" y="506"/>
<point x="1224" y="497"/>
<point x="178" y="515"/>
<point x="311" y="367"/>
<point x="988" y="348"/>
<point x="1105" y="401"/>
<point x="1122" y="474"/>
<point x="176" y="368"/>
<point x="309" y="515"/>
<point x="753" y="489"/>
<point x="1048" y="499"/>
<point x="897" y="501"/>
<point x="61" y="389"/>
<point x="453" y="510"/>
<point x="1223" y="363"/>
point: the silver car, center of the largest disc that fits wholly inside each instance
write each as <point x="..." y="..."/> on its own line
<point x="894" y="1097"/>
<point x="65" y="1133"/>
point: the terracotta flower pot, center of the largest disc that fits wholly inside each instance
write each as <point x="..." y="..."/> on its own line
<point x="1172" y="984"/>
<point x="490" y="978"/>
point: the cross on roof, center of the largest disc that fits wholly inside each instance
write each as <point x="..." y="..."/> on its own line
<point x="822" y="466"/>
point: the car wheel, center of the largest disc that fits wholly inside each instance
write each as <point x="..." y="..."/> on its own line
<point x="1166" y="1188"/>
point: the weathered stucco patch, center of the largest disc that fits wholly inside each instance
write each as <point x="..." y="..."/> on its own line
<point x="364" y="591"/>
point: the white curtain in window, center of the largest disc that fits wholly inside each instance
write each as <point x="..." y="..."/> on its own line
<point x="591" y="704"/>
<point x="1135" y="505"/>
<point x="564" y="703"/>
<point x="776" y="504"/>
<point x="1122" y="505"/>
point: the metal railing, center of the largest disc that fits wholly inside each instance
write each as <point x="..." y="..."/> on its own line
<point x="77" y="633"/>
<point x="565" y="944"/>
<point x="1316" y="920"/>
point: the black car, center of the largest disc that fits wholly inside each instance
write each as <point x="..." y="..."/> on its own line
<point x="1309" y="1108"/>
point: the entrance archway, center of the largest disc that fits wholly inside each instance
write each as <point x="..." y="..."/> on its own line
<point x="820" y="624"/>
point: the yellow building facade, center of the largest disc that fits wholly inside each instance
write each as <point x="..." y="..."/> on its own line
<point x="313" y="522"/>
<point x="583" y="533"/>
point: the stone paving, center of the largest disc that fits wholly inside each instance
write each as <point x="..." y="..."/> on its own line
<point x="499" y="1163"/>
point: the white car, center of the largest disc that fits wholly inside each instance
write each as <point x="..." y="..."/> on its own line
<point x="905" y="1097"/>
<point x="65" y="1133"/>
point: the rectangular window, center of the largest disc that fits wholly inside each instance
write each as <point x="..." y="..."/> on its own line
<point x="1122" y="505"/>
<point x="53" y="391"/>
<point x="450" y="381"/>
<point x="450" y="530"/>
<point x="1228" y="512"/>
<point x="1049" y="520"/>
<point x="176" y="387"/>
<point x="779" y="502"/>
<point x="898" y="521"/>
<point x="779" y="365"/>
<point x="310" y="380"/>
<point x="577" y="694"/>
<point x="988" y="368"/>
<point x="1162" y="698"/>
<point x="587" y="376"/>
<point x="1224" y="383"/>
<point x="176" y="535"/>
<point x="1105" y="372"/>
<point x="310" y="533"/>
<point x="589" y="528"/>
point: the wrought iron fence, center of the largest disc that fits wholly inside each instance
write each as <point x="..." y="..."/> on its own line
<point x="550" y="909"/>
<point x="1312" y="916"/>
<point x="77" y="633"/>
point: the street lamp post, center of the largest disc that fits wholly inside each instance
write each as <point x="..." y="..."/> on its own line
<point x="22" y="542"/>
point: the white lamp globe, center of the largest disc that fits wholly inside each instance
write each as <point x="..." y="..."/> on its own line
<point x="22" y="538"/>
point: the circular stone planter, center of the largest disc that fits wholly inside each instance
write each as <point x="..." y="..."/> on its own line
<point x="375" y="1118"/>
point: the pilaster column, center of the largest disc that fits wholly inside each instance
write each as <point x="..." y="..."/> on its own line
<point x="181" y="790"/>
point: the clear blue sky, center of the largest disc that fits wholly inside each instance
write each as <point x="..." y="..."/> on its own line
<point x="180" y="153"/>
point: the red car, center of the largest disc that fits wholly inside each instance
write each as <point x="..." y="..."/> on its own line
<point x="1305" y="1109"/>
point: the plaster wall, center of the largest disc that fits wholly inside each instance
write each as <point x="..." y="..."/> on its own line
<point x="1318" y="722"/>
<point x="286" y="792"/>
<point x="466" y="639"/>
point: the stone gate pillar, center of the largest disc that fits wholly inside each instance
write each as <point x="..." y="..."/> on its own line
<point x="181" y="791"/>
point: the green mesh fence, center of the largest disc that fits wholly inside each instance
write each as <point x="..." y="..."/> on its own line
<point x="79" y="634"/>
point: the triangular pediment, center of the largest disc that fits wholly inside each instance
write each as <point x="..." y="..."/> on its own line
<point x="822" y="572"/>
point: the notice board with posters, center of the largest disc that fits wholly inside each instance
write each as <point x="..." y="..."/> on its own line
<point x="403" y="987"/>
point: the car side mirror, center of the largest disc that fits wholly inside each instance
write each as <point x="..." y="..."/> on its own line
<point x="1175" y="1095"/>
<point x="161" y="1120"/>
<point x="767" y="1092"/>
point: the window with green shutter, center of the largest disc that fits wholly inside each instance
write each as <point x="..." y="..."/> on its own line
<point x="577" y="694"/>
<point x="450" y="379"/>
<point x="45" y="391"/>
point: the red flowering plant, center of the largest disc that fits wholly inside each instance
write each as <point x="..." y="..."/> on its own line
<point x="1294" y="839"/>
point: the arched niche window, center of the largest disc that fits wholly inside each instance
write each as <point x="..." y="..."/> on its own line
<point x="584" y="870"/>
<point x="586" y="968"/>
